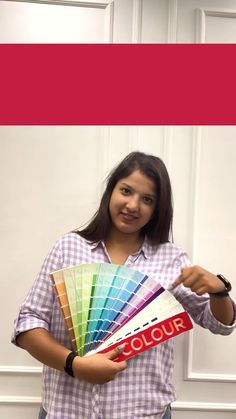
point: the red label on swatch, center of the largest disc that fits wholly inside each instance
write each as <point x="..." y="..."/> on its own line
<point x="152" y="336"/>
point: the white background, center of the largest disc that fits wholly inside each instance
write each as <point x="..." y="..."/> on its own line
<point x="51" y="182"/>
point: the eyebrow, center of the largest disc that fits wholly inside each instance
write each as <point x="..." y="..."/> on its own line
<point x="132" y="189"/>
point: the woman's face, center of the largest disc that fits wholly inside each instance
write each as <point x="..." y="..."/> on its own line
<point x="132" y="203"/>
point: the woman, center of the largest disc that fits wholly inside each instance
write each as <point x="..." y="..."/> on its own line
<point x="132" y="227"/>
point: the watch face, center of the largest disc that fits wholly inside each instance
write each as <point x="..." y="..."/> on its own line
<point x="226" y="282"/>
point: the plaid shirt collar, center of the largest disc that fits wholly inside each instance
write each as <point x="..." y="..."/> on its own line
<point x="145" y="249"/>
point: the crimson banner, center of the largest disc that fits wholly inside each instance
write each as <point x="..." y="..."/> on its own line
<point x="117" y="84"/>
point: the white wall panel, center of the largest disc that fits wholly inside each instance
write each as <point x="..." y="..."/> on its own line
<point x="180" y="169"/>
<point x="216" y="25"/>
<point x="43" y="195"/>
<point x="25" y="385"/>
<point x="209" y="364"/>
<point x="215" y="241"/>
<point x="226" y="28"/>
<point x="149" y="139"/>
<point x="123" y="21"/>
<point x="155" y="21"/>
<point x="55" y="21"/>
<point x="217" y="31"/>
<point x="24" y="410"/>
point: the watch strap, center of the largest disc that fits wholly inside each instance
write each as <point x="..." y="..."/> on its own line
<point x="227" y="285"/>
<point x="69" y="361"/>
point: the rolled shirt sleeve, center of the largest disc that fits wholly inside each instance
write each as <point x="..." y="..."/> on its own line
<point x="36" y="310"/>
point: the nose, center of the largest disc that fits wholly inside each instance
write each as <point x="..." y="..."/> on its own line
<point x="132" y="204"/>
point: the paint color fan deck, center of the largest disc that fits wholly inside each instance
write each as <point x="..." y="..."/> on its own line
<point x="106" y="305"/>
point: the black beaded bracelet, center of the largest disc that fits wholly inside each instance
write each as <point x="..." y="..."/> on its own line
<point x="69" y="361"/>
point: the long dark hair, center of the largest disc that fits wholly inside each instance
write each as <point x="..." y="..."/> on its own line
<point x="159" y="228"/>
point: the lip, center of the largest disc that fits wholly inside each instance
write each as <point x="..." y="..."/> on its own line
<point x="128" y="217"/>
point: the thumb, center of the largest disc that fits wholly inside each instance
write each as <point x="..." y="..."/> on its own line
<point x="114" y="353"/>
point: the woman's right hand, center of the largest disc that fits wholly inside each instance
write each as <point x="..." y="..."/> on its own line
<point x="98" y="368"/>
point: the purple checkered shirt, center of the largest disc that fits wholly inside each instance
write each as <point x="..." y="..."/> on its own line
<point x="144" y="389"/>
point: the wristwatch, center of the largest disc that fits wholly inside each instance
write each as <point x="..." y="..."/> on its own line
<point x="227" y="285"/>
<point x="69" y="361"/>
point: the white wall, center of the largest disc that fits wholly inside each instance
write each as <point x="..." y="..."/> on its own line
<point x="43" y="193"/>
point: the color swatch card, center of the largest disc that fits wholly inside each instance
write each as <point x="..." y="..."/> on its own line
<point x="106" y="305"/>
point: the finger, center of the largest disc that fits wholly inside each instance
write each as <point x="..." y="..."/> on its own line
<point x="122" y="365"/>
<point x="185" y="280"/>
<point x="114" y="353"/>
<point x="185" y="272"/>
<point x="177" y="282"/>
<point x="191" y="281"/>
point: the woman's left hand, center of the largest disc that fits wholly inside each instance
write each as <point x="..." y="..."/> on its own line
<point x="199" y="280"/>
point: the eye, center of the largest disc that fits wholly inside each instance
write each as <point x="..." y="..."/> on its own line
<point x="125" y="191"/>
<point x="148" y="200"/>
